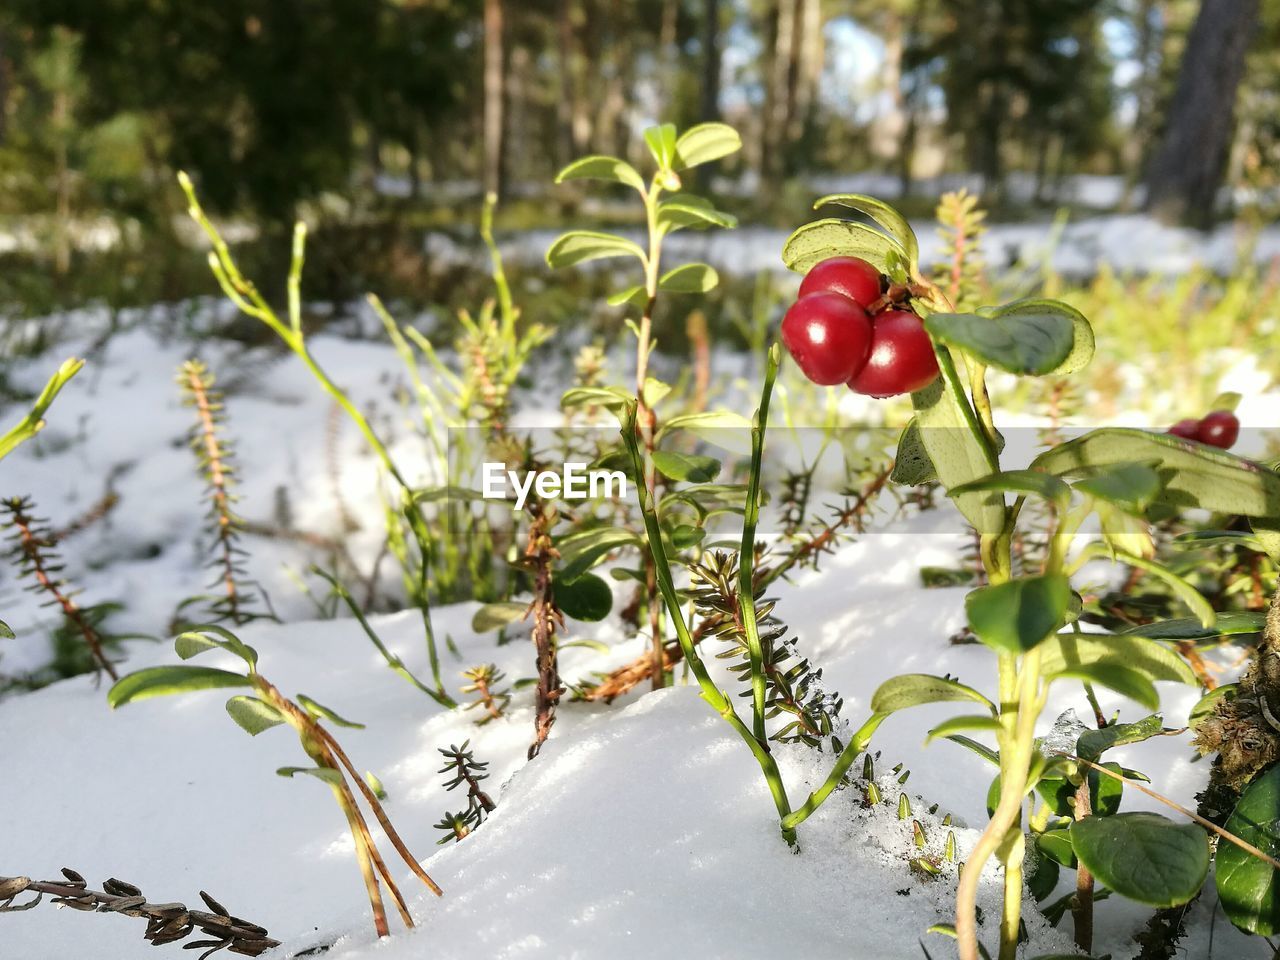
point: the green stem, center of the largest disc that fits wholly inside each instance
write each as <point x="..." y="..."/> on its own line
<point x="746" y="558"/>
<point x="855" y="748"/>
<point x="666" y="586"/>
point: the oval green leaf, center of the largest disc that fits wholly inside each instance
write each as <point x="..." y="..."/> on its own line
<point x="883" y="214"/>
<point x="692" y="468"/>
<point x="1144" y="856"/>
<point x="253" y="715"/>
<point x="814" y="242"/>
<point x="1026" y="344"/>
<point x="579" y="246"/>
<point x="1193" y="475"/>
<point x="1017" y="616"/>
<point x="164" y="681"/>
<point x="1249" y="888"/>
<point x="690" y="278"/>
<point x="914" y="689"/>
<point x="602" y="168"/>
<point x="704" y="143"/>
<point x="587" y="598"/>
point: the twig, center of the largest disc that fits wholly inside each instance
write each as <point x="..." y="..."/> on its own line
<point x="166" y="922"/>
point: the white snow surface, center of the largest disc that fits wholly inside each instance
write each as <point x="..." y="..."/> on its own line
<point x="643" y="829"/>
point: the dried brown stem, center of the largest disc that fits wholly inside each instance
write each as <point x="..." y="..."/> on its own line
<point x="166" y="922"/>
<point x="197" y="381"/>
<point x="546" y="618"/>
<point x="33" y="546"/>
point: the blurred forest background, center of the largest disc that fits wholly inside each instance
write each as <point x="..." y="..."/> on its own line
<point x="381" y="120"/>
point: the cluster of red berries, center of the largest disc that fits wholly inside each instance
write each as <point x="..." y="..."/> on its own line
<point x="848" y="327"/>
<point x="1219" y="429"/>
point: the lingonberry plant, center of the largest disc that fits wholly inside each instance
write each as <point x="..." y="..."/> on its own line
<point x="1030" y="617"/>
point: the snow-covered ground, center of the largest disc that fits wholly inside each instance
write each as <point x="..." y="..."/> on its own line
<point x="643" y="829"/>
<point x="1126" y="242"/>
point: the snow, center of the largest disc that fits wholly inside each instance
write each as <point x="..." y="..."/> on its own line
<point x="643" y="828"/>
<point x="1126" y="242"/>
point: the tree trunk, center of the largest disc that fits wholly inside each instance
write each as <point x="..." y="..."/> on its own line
<point x="778" y="90"/>
<point x="710" y="107"/>
<point x="494" y="70"/>
<point x="1188" y="169"/>
<point x="889" y="127"/>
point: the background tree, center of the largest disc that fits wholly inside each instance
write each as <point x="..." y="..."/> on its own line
<point x="1187" y="170"/>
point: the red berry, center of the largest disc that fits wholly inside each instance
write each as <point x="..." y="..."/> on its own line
<point x="1219" y="429"/>
<point x="1186" y="429"/>
<point x="851" y="276"/>
<point x="901" y="360"/>
<point x="829" y="336"/>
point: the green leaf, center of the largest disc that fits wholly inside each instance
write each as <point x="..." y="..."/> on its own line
<point x="1017" y="616"/>
<point x="1185" y="592"/>
<point x="602" y="168"/>
<point x="911" y="465"/>
<point x="689" y="467"/>
<point x="611" y="398"/>
<point x="1207" y="704"/>
<point x="1249" y="888"/>
<point x="1225" y="401"/>
<point x="690" y="278"/>
<point x="655" y="391"/>
<point x="579" y="246"/>
<point x="1082" y="339"/>
<point x="579" y="552"/>
<point x="1267" y="530"/>
<point x="883" y="214"/>
<point x="324" y="713"/>
<point x="253" y="715"/>
<point x="33" y="422"/>
<point x="375" y="785"/>
<point x="588" y="598"/>
<point x="1144" y="856"/>
<point x="725" y="428"/>
<point x="1030" y="344"/>
<point x="705" y="142"/>
<point x="685" y="210"/>
<point x="1070" y="651"/>
<point x="1056" y="845"/>
<point x="661" y="141"/>
<point x="823" y="239"/>
<point x="328" y="774"/>
<point x="956" y="446"/>
<point x="1194" y="475"/>
<point x="634" y="294"/>
<point x="6" y="632"/>
<point x="1190" y="628"/>
<point x="197" y="640"/>
<point x="1092" y="744"/>
<point x="163" y="681"/>
<point x="979" y="722"/>
<point x="1126" y="682"/>
<point x="685" y="536"/>
<point x="491" y="616"/>
<point x="1042" y="485"/>
<point x="1130" y="486"/>
<point x="914" y="689"/>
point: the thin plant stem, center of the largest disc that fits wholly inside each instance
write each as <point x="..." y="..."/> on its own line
<point x="746" y="559"/>
<point x="666" y="585"/>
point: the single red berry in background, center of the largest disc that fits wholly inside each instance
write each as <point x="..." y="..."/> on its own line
<point x="901" y="359"/>
<point x="1186" y="429"/>
<point x="1220" y="429"/>
<point x="851" y="276"/>
<point x="829" y="336"/>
